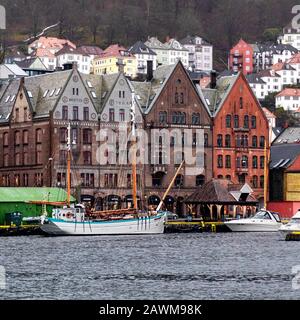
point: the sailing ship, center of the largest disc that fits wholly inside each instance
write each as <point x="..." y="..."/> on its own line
<point x="76" y="220"/>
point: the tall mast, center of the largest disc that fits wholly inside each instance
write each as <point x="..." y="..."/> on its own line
<point x="133" y="132"/>
<point x="266" y="176"/>
<point x="69" y="166"/>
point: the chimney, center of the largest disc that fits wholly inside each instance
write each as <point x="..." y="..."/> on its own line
<point x="213" y="79"/>
<point x="149" y="70"/>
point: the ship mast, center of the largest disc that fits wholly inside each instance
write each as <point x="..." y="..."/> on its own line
<point x="133" y="133"/>
<point x="69" y="144"/>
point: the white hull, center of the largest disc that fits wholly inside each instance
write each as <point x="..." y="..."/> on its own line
<point x="149" y="225"/>
<point x="288" y="230"/>
<point x="252" y="227"/>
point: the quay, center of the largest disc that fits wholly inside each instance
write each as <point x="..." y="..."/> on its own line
<point x="30" y="230"/>
<point x="183" y="226"/>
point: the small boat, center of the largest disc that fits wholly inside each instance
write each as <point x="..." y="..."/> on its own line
<point x="262" y="221"/>
<point x="292" y="227"/>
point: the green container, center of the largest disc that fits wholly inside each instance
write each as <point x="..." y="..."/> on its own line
<point x="14" y="218"/>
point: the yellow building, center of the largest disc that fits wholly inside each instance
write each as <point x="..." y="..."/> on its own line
<point x="113" y="59"/>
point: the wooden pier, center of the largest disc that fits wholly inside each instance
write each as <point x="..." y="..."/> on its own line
<point x="183" y="226"/>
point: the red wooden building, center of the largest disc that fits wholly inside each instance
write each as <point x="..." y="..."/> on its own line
<point x="241" y="58"/>
<point x="240" y="132"/>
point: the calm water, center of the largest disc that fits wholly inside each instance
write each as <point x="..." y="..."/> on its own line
<point x="169" y="266"/>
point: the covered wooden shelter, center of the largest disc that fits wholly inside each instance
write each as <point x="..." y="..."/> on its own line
<point x="219" y="198"/>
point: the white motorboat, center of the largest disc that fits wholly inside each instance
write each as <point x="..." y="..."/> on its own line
<point x="292" y="226"/>
<point x="262" y="221"/>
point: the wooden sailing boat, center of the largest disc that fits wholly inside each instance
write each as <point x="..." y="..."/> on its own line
<point x="74" y="220"/>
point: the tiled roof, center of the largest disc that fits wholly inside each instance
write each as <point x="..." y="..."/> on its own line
<point x="289" y="92"/>
<point x="282" y="66"/>
<point x="70" y="50"/>
<point x="91" y="50"/>
<point x="52" y="42"/>
<point x="41" y="52"/>
<point x="114" y="50"/>
<point x="268" y="113"/>
<point x="295" y="59"/>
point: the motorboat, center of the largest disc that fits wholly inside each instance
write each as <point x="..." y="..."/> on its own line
<point x="293" y="226"/>
<point x="262" y="221"/>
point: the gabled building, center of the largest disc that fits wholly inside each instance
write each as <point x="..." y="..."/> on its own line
<point x="290" y="36"/>
<point x="50" y="43"/>
<point x="70" y="55"/>
<point x="115" y="58"/>
<point x="241" y="58"/>
<point x="32" y="66"/>
<point x="258" y="85"/>
<point x="288" y="99"/>
<point x="170" y="52"/>
<point x="284" y="179"/>
<point x="47" y="57"/>
<point x="143" y="54"/>
<point x="240" y="132"/>
<point x="200" y="53"/>
<point x="173" y="107"/>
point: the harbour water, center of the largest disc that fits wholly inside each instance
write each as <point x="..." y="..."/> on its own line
<point x="168" y="266"/>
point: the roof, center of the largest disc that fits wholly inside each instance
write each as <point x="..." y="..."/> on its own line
<point x="191" y="40"/>
<point x="33" y="194"/>
<point x="70" y="50"/>
<point x="273" y="48"/>
<point x="254" y="78"/>
<point x="282" y="66"/>
<point x="288" y="136"/>
<point x="140" y="48"/>
<point x="154" y="43"/>
<point x="284" y="155"/>
<point x="51" y="43"/>
<point x="215" y="98"/>
<point x="219" y="191"/>
<point x="269" y="114"/>
<point x="289" y="92"/>
<point x="15" y="70"/>
<point x="27" y="63"/>
<point x="241" y="45"/>
<point x="295" y="59"/>
<point x="41" y="52"/>
<point x="268" y="73"/>
<point x="91" y="50"/>
<point x="114" y="50"/>
<point x="173" y="44"/>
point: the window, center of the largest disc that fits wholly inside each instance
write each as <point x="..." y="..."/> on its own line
<point x="86" y="114"/>
<point x="65" y="113"/>
<point x="238" y="162"/>
<point x="241" y="103"/>
<point x="17" y="180"/>
<point x="17" y="114"/>
<point x="228" y="121"/>
<point x="242" y="178"/>
<point x="122" y="115"/>
<point x="75" y="92"/>
<point x="262" y="181"/>
<point x="6" y="160"/>
<point x="179" y="181"/>
<point x="87" y="180"/>
<point x="17" y="159"/>
<point x="181" y="98"/>
<point x="74" y="135"/>
<point x="75" y="113"/>
<point x="228" y="162"/>
<point x="63" y="134"/>
<point x="163" y="117"/>
<point x="63" y="157"/>
<point x="111" y="115"/>
<point x="87" y="136"/>
<point x="254" y="162"/>
<point x="236" y="121"/>
<point x="254" y="141"/>
<point x="220" y="161"/>
<point x="200" y="180"/>
<point x="38" y="157"/>
<point x="262" y="142"/>
<point x="253" y="122"/>
<point x="87" y="157"/>
<point x="228" y="141"/>
<point x="246" y="122"/>
<point x="244" y="162"/>
<point x="38" y="180"/>
<point x="205" y="140"/>
<point x="25" y="179"/>
<point x="262" y="162"/>
<point x="228" y="177"/>
<point x="255" y="181"/>
<point x="5" y="139"/>
<point x="196" y="119"/>
<point x="25" y="137"/>
<point x="38" y="135"/>
<point x="176" y="98"/>
<point x="26" y="158"/>
<point x="220" y="140"/>
<point x="17" y="138"/>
